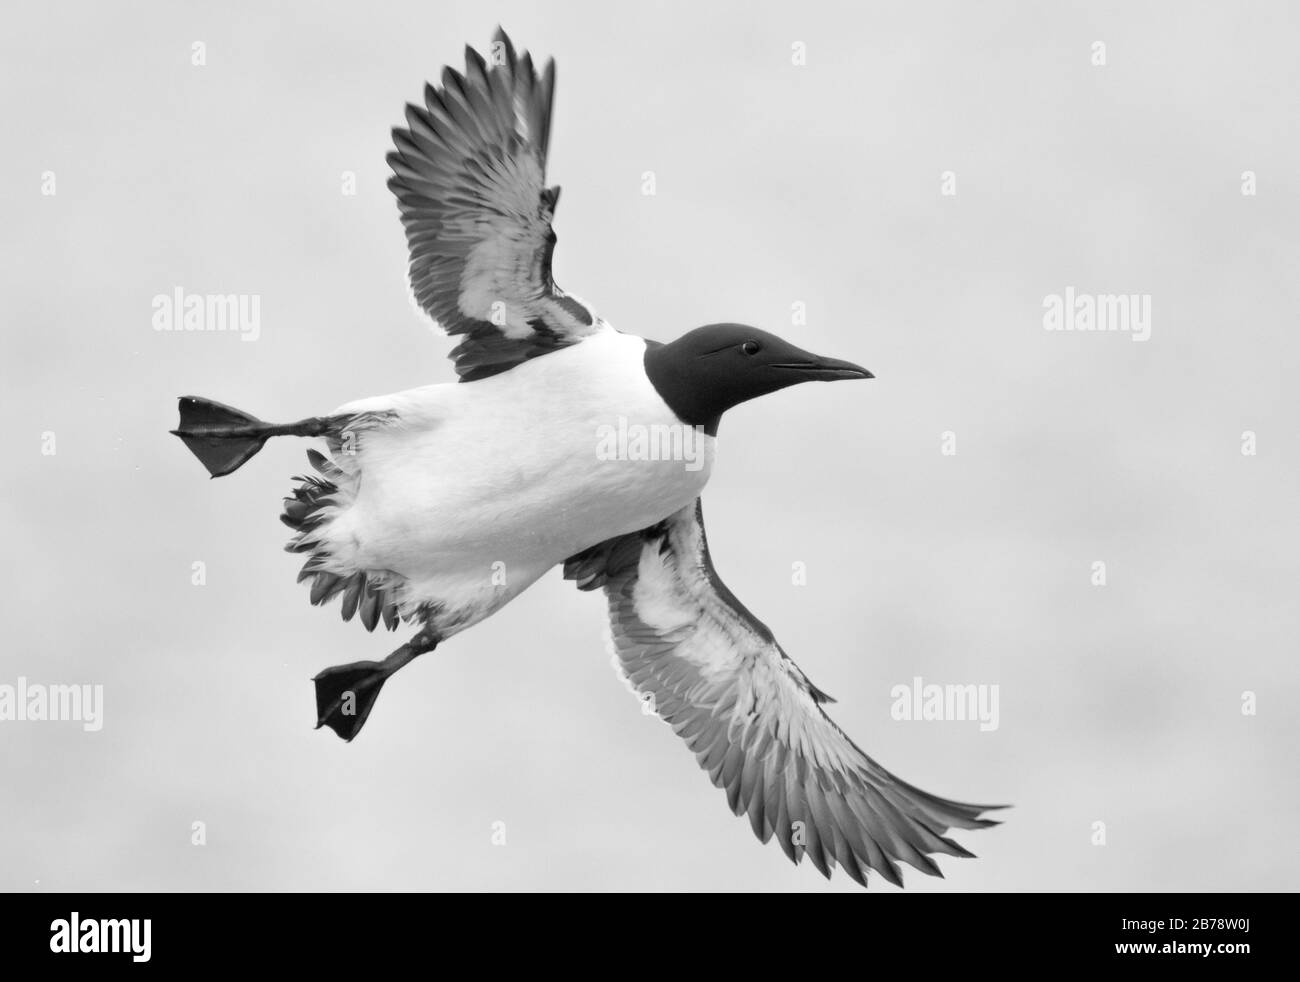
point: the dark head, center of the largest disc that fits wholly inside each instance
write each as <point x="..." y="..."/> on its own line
<point x="710" y="369"/>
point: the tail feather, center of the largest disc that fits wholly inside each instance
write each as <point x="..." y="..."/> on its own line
<point x="222" y="437"/>
<point x="306" y="512"/>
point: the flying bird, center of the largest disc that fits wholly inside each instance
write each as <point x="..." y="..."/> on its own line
<point x="437" y="506"/>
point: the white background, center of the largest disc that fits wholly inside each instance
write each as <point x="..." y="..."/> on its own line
<point x="775" y="184"/>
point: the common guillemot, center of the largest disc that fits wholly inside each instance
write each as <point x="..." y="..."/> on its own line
<point x="438" y="505"/>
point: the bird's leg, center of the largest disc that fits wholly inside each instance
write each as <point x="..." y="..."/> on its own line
<point x="345" y="694"/>
<point x="311" y="426"/>
<point x="224" y="438"/>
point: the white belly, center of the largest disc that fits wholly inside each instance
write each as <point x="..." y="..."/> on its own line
<point x="484" y="486"/>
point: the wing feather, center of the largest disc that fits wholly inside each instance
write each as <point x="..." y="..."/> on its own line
<point x="753" y="720"/>
<point x="469" y="173"/>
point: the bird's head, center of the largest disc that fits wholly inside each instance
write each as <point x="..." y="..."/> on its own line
<point x="710" y="369"/>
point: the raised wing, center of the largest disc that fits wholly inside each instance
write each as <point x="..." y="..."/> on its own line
<point x="469" y="174"/>
<point x="753" y="719"/>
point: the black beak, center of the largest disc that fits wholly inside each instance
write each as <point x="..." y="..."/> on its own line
<point x="825" y="369"/>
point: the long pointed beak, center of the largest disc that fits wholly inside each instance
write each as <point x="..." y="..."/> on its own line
<point x="826" y="369"/>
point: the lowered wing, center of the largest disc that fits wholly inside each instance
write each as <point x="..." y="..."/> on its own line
<point x="752" y="718"/>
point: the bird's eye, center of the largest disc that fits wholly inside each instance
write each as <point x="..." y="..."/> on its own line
<point x="751" y="347"/>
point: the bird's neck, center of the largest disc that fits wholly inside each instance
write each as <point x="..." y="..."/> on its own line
<point x="692" y="406"/>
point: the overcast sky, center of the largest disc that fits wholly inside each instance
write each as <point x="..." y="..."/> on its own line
<point x="776" y="184"/>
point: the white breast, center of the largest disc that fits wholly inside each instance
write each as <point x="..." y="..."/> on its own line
<point x="519" y="471"/>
